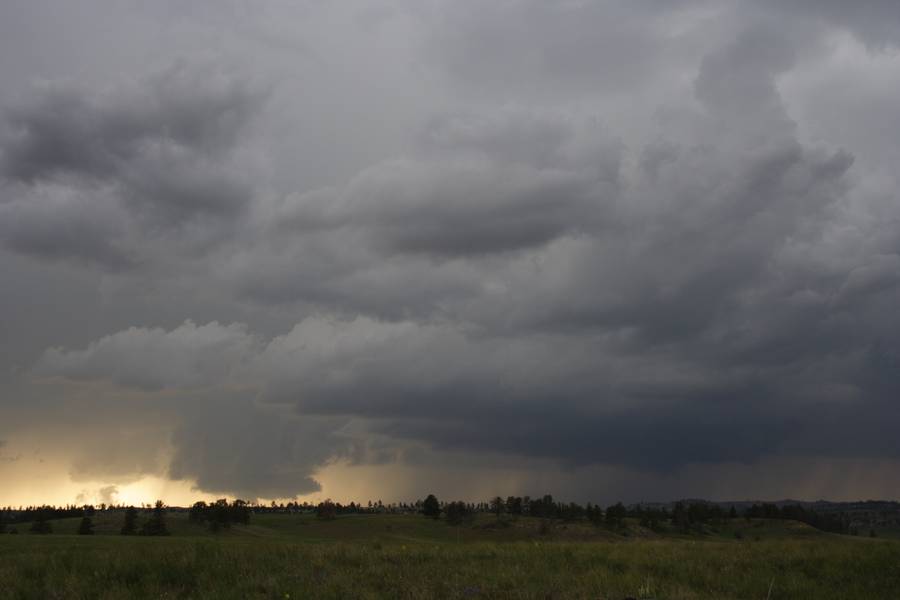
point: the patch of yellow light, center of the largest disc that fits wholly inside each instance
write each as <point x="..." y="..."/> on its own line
<point x="149" y="489"/>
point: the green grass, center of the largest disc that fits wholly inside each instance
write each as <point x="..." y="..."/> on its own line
<point x="385" y="556"/>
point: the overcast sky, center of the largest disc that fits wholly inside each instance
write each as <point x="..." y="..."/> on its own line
<point x="624" y="249"/>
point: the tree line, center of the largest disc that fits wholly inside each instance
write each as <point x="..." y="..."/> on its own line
<point x="38" y="519"/>
<point x="686" y="516"/>
<point x="222" y="514"/>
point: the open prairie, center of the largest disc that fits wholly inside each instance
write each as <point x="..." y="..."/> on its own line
<point x="409" y="556"/>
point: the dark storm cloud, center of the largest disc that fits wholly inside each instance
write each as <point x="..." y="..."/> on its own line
<point x="667" y="339"/>
<point x="66" y="130"/>
<point x="88" y="174"/>
<point x="233" y="447"/>
<point x="701" y="266"/>
<point x="481" y="185"/>
<point x="582" y="275"/>
<point x="57" y="223"/>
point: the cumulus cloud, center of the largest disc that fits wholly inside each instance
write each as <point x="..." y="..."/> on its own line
<point x="188" y="356"/>
<point x="482" y="185"/>
<point x="58" y="223"/>
<point x="66" y="130"/>
<point x="90" y="174"/>
<point x="106" y="494"/>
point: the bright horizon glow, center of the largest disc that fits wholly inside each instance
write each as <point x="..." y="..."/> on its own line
<point x="836" y="481"/>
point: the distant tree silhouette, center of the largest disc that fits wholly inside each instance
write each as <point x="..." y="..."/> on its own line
<point x="197" y="512"/>
<point x="240" y="512"/>
<point x="570" y="511"/>
<point x="514" y="505"/>
<point x="129" y="527"/>
<point x="220" y="514"/>
<point x="326" y="510"/>
<point x="456" y="513"/>
<point x="545" y="507"/>
<point x="431" y="507"/>
<point x="497" y="506"/>
<point x="732" y="514"/>
<point x="86" y="527"/>
<point x="156" y="525"/>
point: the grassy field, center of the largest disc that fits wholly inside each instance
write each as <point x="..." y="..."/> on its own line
<point x="387" y="556"/>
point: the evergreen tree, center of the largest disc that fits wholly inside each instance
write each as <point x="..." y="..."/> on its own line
<point x="156" y="525"/>
<point x="497" y="506"/>
<point x="130" y="525"/>
<point x="514" y="505"/>
<point x="240" y="512"/>
<point x="431" y="507"/>
<point x="456" y="513"/>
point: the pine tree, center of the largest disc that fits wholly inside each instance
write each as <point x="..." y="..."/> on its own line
<point x="497" y="506"/>
<point x="157" y="523"/>
<point x="456" y="512"/>
<point x="431" y="507"/>
<point x="130" y="525"/>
